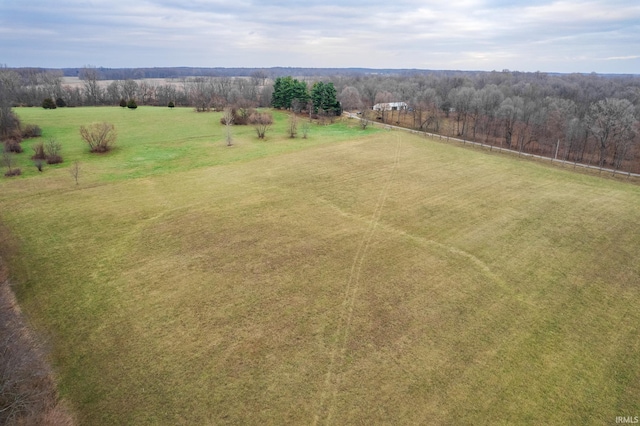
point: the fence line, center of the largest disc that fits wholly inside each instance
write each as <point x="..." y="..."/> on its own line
<point x="507" y="150"/>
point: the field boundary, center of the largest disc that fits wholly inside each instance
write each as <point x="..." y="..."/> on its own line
<point x="497" y="148"/>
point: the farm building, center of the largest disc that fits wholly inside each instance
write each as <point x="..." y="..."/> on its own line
<point x="390" y="106"/>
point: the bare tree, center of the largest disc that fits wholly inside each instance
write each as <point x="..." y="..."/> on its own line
<point x="90" y="76"/>
<point x="350" y="98"/>
<point x="364" y="120"/>
<point x="259" y="77"/>
<point x="462" y="100"/>
<point x="509" y="111"/>
<point x="293" y="125"/>
<point x="99" y="136"/>
<point x="113" y="92"/>
<point x="9" y="83"/>
<point x="611" y="122"/>
<point x="129" y="89"/>
<point x="261" y="121"/>
<point x="228" y="117"/>
<point x="52" y="150"/>
<point x="7" y="159"/>
<point x="75" y="171"/>
<point x="305" y="129"/>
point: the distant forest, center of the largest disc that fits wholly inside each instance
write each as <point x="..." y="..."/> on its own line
<point x="586" y="118"/>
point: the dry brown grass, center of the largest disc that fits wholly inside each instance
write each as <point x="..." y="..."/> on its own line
<point x="381" y="280"/>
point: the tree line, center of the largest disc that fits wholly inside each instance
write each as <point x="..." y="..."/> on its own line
<point x="576" y="117"/>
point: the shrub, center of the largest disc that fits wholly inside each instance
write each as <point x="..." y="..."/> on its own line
<point x="171" y="104"/>
<point x="100" y="137"/>
<point x="54" y="159"/>
<point x="31" y="131"/>
<point x="12" y="145"/>
<point x="9" y="124"/>
<point x="38" y="150"/>
<point x="261" y="121"/>
<point x="60" y="103"/>
<point x="13" y="172"/>
<point x="49" y="103"/>
<point x="240" y="116"/>
<point x="132" y="104"/>
<point x="7" y="159"/>
<point x="52" y="151"/>
<point x="123" y="103"/>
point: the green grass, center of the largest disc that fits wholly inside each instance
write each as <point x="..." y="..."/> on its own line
<point x="353" y="277"/>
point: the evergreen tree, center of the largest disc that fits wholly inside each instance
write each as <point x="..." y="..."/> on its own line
<point x="48" y="103"/>
<point x="324" y="98"/>
<point x="286" y="90"/>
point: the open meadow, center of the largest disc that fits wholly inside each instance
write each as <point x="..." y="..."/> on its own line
<point x="354" y="277"/>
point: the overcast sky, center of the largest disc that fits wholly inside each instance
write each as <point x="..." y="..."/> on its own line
<point x="537" y="35"/>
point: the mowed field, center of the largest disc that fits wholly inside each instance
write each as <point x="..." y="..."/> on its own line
<point x="351" y="278"/>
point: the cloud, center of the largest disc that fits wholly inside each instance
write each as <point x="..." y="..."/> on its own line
<point x="470" y="34"/>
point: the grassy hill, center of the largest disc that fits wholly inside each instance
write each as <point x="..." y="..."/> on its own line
<point x="354" y="277"/>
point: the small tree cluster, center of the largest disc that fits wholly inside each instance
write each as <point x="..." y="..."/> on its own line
<point x="288" y="92"/>
<point x="240" y="116"/>
<point x="323" y="96"/>
<point x="101" y="137"/>
<point x="261" y="121"/>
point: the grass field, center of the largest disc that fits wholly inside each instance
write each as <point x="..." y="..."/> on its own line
<point x="352" y="278"/>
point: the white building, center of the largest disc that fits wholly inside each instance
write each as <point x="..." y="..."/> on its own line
<point x="390" y="106"/>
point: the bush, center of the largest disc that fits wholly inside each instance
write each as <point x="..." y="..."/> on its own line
<point x="61" y="103"/>
<point x="31" y="131"/>
<point x="240" y="116"/>
<point x="261" y="121"/>
<point x="132" y="104"/>
<point x="13" y="172"/>
<point x="54" y="159"/>
<point x="52" y="151"/>
<point x="123" y="103"/>
<point x="38" y="150"/>
<point x="100" y="137"/>
<point x="12" y="145"/>
<point x="48" y="103"/>
<point x="171" y="104"/>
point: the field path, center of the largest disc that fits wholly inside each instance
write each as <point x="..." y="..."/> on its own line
<point x="333" y="378"/>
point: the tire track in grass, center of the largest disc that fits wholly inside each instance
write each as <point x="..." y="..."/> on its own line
<point x="332" y="381"/>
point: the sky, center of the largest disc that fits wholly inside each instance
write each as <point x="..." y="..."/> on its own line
<point x="548" y="36"/>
